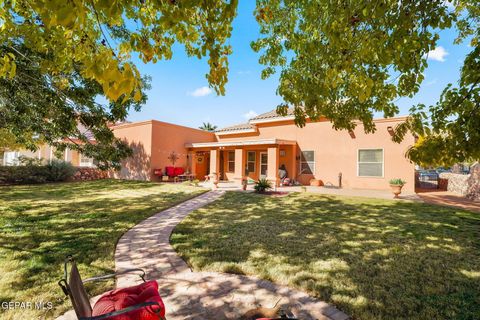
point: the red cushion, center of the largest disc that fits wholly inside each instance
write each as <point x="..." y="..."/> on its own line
<point x="123" y="298"/>
<point x="170" y="171"/>
<point x="179" y="171"/>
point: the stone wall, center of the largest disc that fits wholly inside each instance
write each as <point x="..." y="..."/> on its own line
<point x="473" y="191"/>
<point x="87" y="174"/>
<point x="457" y="183"/>
<point x="467" y="185"/>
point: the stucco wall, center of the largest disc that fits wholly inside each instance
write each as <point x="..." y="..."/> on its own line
<point x="337" y="151"/>
<point x="152" y="142"/>
<point x="168" y="138"/>
<point x="138" y="135"/>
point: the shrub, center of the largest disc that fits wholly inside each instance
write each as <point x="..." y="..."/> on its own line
<point x="397" y="182"/>
<point x="31" y="173"/>
<point x="23" y="174"/>
<point x="262" y="185"/>
<point x="59" y="170"/>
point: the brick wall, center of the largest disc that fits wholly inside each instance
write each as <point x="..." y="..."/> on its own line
<point x="87" y="174"/>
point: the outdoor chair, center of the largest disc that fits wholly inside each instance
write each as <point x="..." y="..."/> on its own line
<point x="141" y="302"/>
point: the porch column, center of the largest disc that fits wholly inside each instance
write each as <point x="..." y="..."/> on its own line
<point x="293" y="173"/>
<point x="215" y="162"/>
<point x="192" y="163"/>
<point x="272" y="165"/>
<point x="239" y="166"/>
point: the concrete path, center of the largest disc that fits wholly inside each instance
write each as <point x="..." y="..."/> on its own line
<point x="450" y="199"/>
<point x="365" y="193"/>
<point x="203" y="295"/>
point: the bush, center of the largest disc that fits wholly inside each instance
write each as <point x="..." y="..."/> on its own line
<point x="397" y="182"/>
<point x="262" y="185"/>
<point x="59" y="170"/>
<point x="30" y="173"/>
<point x="23" y="174"/>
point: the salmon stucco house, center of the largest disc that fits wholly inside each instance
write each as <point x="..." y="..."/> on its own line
<point x="267" y="142"/>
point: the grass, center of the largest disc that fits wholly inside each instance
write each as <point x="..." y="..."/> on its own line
<point x="374" y="259"/>
<point x="41" y="224"/>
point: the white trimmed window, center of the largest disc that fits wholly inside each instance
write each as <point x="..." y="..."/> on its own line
<point x="86" y="161"/>
<point x="251" y="161"/>
<point x="307" y="162"/>
<point x="10" y="158"/>
<point x="231" y="161"/>
<point x="370" y="163"/>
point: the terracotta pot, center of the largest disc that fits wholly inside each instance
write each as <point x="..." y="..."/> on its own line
<point x="244" y="184"/>
<point x="396" y="189"/>
<point x="316" y="182"/>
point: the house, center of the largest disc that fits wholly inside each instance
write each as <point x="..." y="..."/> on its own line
<point x="47" y="153"/>
<point x="316" y="151"/>
<point x="152" y="142"/>
<point x="258" y="149"/>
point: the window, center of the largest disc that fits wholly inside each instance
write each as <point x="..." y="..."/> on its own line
<point x="86" y="161"/>
<point x="251" y="157"/>
<point x="10" y="158"/>
<point x="231" y="161"/>
<point x="307" y="162"/>
<point x="370" y="163"/>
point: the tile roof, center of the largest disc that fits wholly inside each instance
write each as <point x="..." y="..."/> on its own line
<point x="264" y="116"/>
<point x="273" y="114"/>
<point x="237" y="127"/>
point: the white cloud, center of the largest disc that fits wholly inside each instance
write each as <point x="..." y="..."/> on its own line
<point x="438" y="54"/>
<point x="200" y="92"/>
<point x="250" y="114"/>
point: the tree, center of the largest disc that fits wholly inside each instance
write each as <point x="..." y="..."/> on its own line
<point x="57" y="56"/>
<point x="207" y="126"/>
<point x="35" y="108"/>
<point x="346" y="60"/>
<point x="94" y="35"/>
<point x="7" y="141"/>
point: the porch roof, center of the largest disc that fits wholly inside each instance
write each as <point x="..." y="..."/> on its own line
<point x="240" y="143"/>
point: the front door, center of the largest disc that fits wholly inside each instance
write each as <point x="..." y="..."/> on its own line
<point x="263" y="164"/>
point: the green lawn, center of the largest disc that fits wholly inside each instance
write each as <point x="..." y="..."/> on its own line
<point x="374" y="259"/>
<point x="41" y="224"/>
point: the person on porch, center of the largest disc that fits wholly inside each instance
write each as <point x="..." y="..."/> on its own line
<point x="282" y="174"/>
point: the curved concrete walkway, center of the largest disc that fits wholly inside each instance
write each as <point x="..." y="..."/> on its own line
<point x="203" y="295"/>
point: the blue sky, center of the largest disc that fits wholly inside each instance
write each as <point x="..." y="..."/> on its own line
<point x="180" y="92"/>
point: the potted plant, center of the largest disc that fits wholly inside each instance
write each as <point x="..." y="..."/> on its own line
<point x="396" y="185"/>
<point x="245" y="180"/>
<point x="262" y="185"/>
<point x="214" y="179"/>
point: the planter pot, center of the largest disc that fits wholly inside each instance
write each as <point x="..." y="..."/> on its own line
<point x="396" y="189"/>
<point x="316" y="183"/>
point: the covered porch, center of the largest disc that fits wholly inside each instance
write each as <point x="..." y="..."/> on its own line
<point x="236" y="160"/>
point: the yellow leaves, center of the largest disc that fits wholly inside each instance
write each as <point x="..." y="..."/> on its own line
<point x="8" y="67"/>
<point x="138" y="95"/>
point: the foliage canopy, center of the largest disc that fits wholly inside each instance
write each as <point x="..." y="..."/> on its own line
<point x="344" y="60"/>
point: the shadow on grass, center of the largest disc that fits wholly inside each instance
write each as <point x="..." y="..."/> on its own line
<point x="42" y="224"/>
<point x="374" y="259"/>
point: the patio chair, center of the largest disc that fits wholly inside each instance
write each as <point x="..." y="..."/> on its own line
<point x="140" y="302"/>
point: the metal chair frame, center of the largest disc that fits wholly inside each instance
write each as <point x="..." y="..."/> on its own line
<point x="64" y="284"/>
